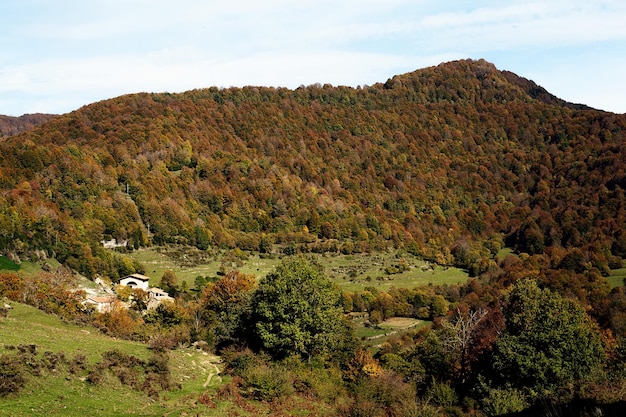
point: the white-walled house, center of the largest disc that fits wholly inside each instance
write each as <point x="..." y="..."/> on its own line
<point x="136" y="281"/>
<point x="101" y="304"/>
<point x="156" y="296"/>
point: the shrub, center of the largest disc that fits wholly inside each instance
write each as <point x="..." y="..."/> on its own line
<point x="51" y="360"/>
<point x="362" y="408"/>
<point x="162" y="343"/>
<point x="320" y="382"/>
<point x="205" y="398"/>
<point x="11" y="375"/>
<point x="386" y="394"/>
<point x="504" y="401"/>
<point x="238" y="361"/>
<point x="442" y="394"/>
<point x="267" y="382"/>
<point x="78" y="363"/>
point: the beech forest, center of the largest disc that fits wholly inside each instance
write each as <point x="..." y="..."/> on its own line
<point x="459" y="165"/>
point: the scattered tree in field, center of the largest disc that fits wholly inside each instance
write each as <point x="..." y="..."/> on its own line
<point x="297" y="310"/>
<point x="169" y="282"/>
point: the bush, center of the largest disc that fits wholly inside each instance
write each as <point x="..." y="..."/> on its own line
<point x="442" y="394"/>
<point x="362" y="408"/>
<point x="11" y="375"/>
<point x="322" y="383"/>
<point x="78" y="363"/>
<point x="52" y="360"/>
<point x="504" y="401"/>
<point x="162" y="343"/>
<point x="386" y="394"/>
<point x="239" y="361"/>
<point x="4" y="312"/>
<point x="267" y="382"/>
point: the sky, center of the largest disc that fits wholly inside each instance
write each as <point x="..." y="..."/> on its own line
<point x="57" y="56"/>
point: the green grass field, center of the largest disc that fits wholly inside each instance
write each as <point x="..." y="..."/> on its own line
<point x="26" y="325"/>
<point x="350" y="272"/>
<point x="617" y="277"/>
<point x="8" y="265"/>
<point x="63" y="394"/>
<point x="157" y="263"/>
<point x="357" y="272"/>
<point x="26" y="267"/>
<point x="373" y="336"/>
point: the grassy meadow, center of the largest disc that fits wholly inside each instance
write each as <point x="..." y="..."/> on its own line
<point x="61" y="393"/>
<point x="350" y="272"/>
<point x="617" y="278"/>
<point x="374" y="336"/>
<point x="26" y="267"/>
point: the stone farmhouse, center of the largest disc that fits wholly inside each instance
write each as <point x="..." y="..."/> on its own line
<point x="136" y="281"/>
<point x="110" y="302"/>
<point x="156" y="296"/>
<point x="102" y="304"/>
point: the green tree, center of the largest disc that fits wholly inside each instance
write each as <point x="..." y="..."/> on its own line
<point x="225" y="308"/>
<point x="549" y="342"/>
<point x="297" y="310"/>
<point x="169" y="282"/>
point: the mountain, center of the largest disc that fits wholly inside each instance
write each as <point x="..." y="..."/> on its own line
<point x="10" y="125"/>
<point x="450" y="162"/>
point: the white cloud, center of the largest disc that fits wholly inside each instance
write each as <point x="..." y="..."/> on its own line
<point x="99" y="49"/>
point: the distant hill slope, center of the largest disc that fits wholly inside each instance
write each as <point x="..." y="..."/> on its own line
<point x="449" y="162"/>
<point x="10" y="125"/>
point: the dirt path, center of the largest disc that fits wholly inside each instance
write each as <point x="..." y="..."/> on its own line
<point x="208" y="365"/>
<point x="212" y="371"/>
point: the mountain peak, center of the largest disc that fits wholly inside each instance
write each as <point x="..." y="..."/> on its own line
<point x="473" y="81"/>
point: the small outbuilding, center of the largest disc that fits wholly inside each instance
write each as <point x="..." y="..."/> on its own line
<point x="156" y="296"/>
<point x="101" y="304"/>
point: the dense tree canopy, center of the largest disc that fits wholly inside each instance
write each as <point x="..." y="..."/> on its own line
<point x="450" y="162"/>
<point x="225" y="307"/>
<point x="549" y="342"/>
<point x="297" y="310"/>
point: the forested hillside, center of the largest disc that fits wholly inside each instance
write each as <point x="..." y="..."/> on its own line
<point x="455" y="165"/>
<point x="451" y="162"/>
<point x="12" y="125"/>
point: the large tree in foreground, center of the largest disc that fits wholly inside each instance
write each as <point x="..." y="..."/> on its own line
<point x="549" y="342"/>
<point x="298" y="311"/>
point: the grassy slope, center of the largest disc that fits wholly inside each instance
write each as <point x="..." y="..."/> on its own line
<point x="63" y="394"/>
<point x="7" y="264"/>
<point x="368" y="270"/>
<point x="617" y="277"/>
<point x="26" y="267"/>
<point x="156" y="263"/>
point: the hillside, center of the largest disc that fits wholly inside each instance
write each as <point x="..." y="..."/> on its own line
<point x="10" y="125"/>
<point x="450" y="163"/>
<point x="59" y="364"/>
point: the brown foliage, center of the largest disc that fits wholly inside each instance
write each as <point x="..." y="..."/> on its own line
<point x="430" y="158"/>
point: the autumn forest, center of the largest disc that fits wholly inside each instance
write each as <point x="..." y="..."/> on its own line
<point x="451" y="164"/>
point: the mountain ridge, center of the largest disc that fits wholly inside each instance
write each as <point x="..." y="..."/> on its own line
<point x="450" y="162"/>
<point x="10" y="125"/>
